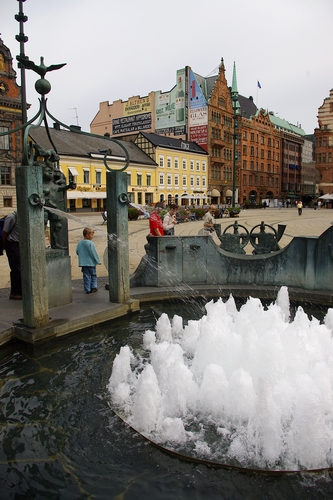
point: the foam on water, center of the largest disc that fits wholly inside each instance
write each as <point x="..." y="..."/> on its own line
<point x="247" y="387"/>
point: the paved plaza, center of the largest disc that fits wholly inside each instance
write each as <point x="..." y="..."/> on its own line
<point x="310" y="223"/>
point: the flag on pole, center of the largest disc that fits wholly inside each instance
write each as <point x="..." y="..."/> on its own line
<point x="259" y="84"/>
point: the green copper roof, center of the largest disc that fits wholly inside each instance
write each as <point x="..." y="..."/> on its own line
<point x="285" y="125"/>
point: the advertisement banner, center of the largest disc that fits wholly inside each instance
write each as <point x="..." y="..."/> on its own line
<point x="133" y="123"/>
<point x="136" y="106"/>
<point x="171" y="107"/>
<point x="198" y="119"/>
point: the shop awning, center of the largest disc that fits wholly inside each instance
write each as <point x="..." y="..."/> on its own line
<point x="326" y="197"/>
<point x="215" y="192"/>
<point x="75" y="195"/>
<point x="73" y="171"/>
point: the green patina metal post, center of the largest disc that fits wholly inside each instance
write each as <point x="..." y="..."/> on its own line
<point x="117" y="229"/>
<point x="29" y="188"/>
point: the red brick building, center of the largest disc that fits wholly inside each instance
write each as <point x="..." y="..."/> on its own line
<point x="10" y="118"/>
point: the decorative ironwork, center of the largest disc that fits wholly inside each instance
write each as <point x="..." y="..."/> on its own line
<point x="263" y="242"/>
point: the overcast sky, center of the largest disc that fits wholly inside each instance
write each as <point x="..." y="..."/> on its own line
<point x="117" y="49"/>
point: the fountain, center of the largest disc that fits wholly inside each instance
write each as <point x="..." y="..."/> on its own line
<point x="244" y="388"/>
<point x="59" y="438"/>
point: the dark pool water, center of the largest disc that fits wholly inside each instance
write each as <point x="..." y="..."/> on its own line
<point x="60" y="440"/>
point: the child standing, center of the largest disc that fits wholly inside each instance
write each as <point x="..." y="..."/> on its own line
<point x="88" y="259"/>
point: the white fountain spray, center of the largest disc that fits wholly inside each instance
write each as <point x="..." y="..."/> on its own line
<point x="244" y="387"/>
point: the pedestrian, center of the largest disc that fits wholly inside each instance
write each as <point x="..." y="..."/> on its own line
<point x="169" y="221"/>
<point x="209" y="221"/>
<point x="10" y="239"/>
<point x="319" y="204"/>
<point x="155" y="221"/>
<point x="280" y="205"/>
<point x="88" y="259"/>
<point x="299" y="206"/>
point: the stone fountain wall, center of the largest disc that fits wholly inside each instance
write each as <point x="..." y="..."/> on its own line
<point x="307" y="263"/>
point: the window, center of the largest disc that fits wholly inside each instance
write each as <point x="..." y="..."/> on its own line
<point x="148" y="180"/>
<point x="139" y="179"/>
<point x="192" y="181"/>
<point x="169" y="161"/>
<point x="161" y="161"/>
<point x="176" y="180"/>
<point x="203" y="181"/>
<point x="161" y="179"/>
<point x="169" y="180"/>
<point x="86" y="176"/>
<point x="244" y="149"/>
<point x="4" y="140"/>
<point x="98" y="177"/>
<point x="262" y="140"/>
<point x="198" y="181"/>
<point x="244" y="179"/>
<point x="244" y="134"/>
<point x="184" y="164"/>
<point x="244" y="164"/>
<point x="203" y="166"/>
<point x="5" y="176"/>
<point x="184" y="181"/>
<point x="7" y="201"/>
<point x="252" y="151"/>
<point x="198" y="166"/>
<point x="176" y="163"/>
<point x="191" y="165"/>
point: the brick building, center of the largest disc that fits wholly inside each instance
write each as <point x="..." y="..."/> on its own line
<point x="324" y="145"/>
<point x="10" y="118"/>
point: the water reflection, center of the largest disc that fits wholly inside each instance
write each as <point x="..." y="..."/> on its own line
<point x="60" y="440"/>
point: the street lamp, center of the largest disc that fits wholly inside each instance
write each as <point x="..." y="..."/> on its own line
<point x="236" y="108"/>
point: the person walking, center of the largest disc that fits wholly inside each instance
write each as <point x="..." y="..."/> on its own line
<point x="299" y="206"/>
<point x="209" y="221"/>
<point x="10" y="239"/>
<point x="155" y="221"/>
<point x="88" y="259"/>
<point x="169" y="221"/>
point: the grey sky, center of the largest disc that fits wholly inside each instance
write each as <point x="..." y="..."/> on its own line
<point x="115" y="50"/>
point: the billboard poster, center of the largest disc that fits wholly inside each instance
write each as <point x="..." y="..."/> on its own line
<point x="198" y="114"/>
<point x="134" y="123"/>
<point x="136" y="106"/>
<point x="170" y="108"/>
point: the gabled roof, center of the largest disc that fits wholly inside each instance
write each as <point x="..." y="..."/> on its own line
<point x="247" y="106"/>
<point x="173" y="143"/>
<point x="206" y="84"/>
<point x="70" y="143"/>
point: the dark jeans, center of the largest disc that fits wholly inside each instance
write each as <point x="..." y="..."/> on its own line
<point x="13" y="255"/>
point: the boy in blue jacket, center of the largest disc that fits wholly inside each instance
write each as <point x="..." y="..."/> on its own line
<point x="88" y="259"/>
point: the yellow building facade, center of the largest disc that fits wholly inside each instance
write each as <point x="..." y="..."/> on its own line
<point x="182" y="169"/>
